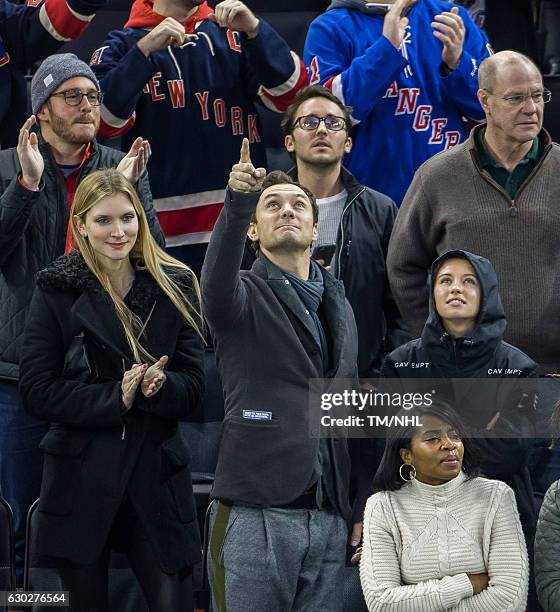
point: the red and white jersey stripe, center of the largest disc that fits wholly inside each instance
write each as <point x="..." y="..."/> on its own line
<point x="61" y="21"/>
<point x="190" y="218"/>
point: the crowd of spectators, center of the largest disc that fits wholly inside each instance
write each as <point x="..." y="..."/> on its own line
<point x="413" y="239"/>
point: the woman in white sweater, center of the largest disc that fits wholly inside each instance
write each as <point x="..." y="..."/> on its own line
<point x="436" y="536"/>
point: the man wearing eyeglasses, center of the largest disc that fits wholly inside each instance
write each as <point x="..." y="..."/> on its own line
<point x="37" y="184"/>
<point x="354" y="221"/>
<point x="29" y="32"/>
<point x="496" y="195"/>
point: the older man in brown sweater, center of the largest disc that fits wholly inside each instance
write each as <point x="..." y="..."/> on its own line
<point x="497" y="195"/>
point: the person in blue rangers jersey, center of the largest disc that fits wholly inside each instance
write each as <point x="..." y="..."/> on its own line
<point x="410" y="75"/>
<point x="187" y="78"/>
<point x="28" y="34"/>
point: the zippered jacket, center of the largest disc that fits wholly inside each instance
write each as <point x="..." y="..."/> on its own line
<point x="33" y="226"/>
<point x="407" y="107"/>
<point x="453" y="203"/>
<point x="195" y="104"/>
<point x="28" y="34"/>
<point x="359" y="261"/>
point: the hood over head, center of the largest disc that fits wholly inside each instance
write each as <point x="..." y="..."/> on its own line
<point x="491" y="322"/>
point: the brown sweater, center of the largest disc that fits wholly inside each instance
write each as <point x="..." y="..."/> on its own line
<point x="453" y="204"/>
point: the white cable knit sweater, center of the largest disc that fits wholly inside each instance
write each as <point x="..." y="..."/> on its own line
<point x="421" y="541"/>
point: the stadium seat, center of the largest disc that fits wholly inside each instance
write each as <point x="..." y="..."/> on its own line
<point x="549" y="33"/>
<point x="7" y="555"/>
<point x="125" y="594"/>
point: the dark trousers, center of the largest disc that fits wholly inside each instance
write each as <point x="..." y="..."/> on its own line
<point x="88" y="584"/>
<point x="21" y="462"/>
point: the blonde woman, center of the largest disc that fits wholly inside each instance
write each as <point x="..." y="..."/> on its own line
<point x="112" y="357"/>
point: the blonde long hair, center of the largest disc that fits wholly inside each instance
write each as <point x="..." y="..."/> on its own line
<point x="145" y="255"/>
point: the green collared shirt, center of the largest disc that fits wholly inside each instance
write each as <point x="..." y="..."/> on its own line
<point x="510" y="181"/>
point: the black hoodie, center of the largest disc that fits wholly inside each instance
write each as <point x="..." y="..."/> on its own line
<point x="482" y="354"/>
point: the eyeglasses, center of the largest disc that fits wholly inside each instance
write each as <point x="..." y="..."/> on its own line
<point x="74" y="97"/>
<point x="538" y="97"/>
<point x="312" y="122"/>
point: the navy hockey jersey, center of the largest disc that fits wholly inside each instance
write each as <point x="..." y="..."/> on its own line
<point x="194" y="104"/>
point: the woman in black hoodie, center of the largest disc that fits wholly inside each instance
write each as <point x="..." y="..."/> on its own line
<point x="462" y="339"/>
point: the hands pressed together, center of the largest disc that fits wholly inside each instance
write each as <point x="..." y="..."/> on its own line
<point x="149" y="379"/>
<point x="448" y="28"/>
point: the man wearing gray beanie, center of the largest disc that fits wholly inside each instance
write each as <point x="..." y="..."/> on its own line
<point x="30" y="32"/>
<point x="37" y="184"/>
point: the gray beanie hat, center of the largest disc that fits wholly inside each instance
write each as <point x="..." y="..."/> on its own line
<point x="53" y="72"/>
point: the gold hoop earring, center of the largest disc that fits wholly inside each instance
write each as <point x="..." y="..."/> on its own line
<point x="411" y="474"/>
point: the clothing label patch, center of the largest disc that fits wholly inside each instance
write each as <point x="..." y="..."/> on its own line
<point x="257" y="415"/>
<point x="48" y="80"/>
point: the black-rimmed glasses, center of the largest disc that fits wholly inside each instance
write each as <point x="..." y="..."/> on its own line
<point x="74" y="97"/>
<point x="312" y="122"/>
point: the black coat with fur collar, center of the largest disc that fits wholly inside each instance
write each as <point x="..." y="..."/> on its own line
<point x="94" y="451"/>
<point x="33" y="228"/>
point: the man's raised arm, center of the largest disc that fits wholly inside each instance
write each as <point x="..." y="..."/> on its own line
<point x="223" y="296"/>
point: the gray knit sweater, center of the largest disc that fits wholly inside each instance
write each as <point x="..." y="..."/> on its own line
<point x="421" y="541"/>
<point x="453" y="204"/>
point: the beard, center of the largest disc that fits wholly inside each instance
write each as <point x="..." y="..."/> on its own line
<point x="63" y="128"/>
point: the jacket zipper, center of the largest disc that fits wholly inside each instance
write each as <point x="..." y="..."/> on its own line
<point x="512" y="207"/>
<point x="123" y="433"/>
<point x="342" y="231"/>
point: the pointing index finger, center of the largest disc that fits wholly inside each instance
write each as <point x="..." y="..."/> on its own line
<point x="245" y="156"/>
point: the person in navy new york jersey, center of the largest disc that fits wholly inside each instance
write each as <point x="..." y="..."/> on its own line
<point x="187" y="78"/>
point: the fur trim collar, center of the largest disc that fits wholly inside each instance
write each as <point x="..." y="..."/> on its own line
<point x="70" y="273"/>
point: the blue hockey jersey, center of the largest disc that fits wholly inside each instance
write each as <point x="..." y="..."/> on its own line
<point x="406" y="108"/>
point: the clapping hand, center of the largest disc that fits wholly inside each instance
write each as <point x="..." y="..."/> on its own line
<point x="130" y="381"/>
<point x="450" y="30"/>
<point x="30" y="158"/>
<point x="395" y="24"/>
<point x="244" y="177"/>
<point x="135" y="161"/>
<point x="154" y="377"/>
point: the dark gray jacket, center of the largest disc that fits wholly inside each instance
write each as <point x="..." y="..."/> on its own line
<point x="359" y="261"/>
<point x="33" y="232"/>
<point x="547" y="550"/>
<point x="266" y="355"/>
